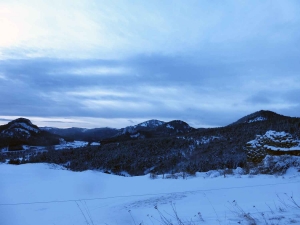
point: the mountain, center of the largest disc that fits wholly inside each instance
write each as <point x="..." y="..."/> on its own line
<point x="227" y="145"/>
<point x="22" y="132"/>
<point x="83" y="134"/>
<point x="151" y="129"/>
<point x="159" y="128"/>
<point x="164" y="147"/>
<point x="175" y="127"/>
<point x="19" y="128"/>
<point x="145" y="126"/>
<point x="147" y="129"/>
<point x="261" y="115"/>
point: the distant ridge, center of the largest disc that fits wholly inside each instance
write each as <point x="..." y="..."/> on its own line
<point x="157" y="146"/>
<point x="261" y="115"/>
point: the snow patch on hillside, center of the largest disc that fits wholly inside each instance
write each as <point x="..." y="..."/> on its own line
<point x="95" y="144"/>
<point x="151" y="123"/>
<point x="259" y="118"/>
<point x="170" y="127"/>
<point x="273" y="148"/>
<point x="69" y="145"/>
<point x="135" y="135"/>
<point x="206" y="140"/>
<point x="25" y="126"/>
<point x="146" y="124"/>
<point x="273" y="140"/>
<point x="19" y="131"/>
<point x="201" y="141"/>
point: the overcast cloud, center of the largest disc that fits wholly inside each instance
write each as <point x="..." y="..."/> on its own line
<point x="117" y="63"/>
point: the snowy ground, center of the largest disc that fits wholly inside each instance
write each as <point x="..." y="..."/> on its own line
<point x="35" y="194"/>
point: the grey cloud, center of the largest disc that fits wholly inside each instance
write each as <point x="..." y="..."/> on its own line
<point x="6" y="120"/>
<point x="292" y="111"/>
<point x="260" y="98"/>
<point x="292" y="96"/>
<point x="289" y="95"/>
<point x="55" y="121"/>
<point x="37" y="87"/>
<point x="210" y="65"/>
<point x="47" y="73"/>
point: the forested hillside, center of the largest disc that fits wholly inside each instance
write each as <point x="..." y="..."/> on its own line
<point x="141" y="149"/>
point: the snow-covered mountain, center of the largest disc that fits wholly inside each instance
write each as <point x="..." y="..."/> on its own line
<point x="19" y="128"/>
<point x="259" y="116"/>
<point x="147" y="125"/>
<point x="163" y="146"/>
<point x="176" y="127"/>
<point x="145" y="129"/>
<point x="22" y="132"/>
<point x="163" y="128"/>
<point x="151" y="129"/>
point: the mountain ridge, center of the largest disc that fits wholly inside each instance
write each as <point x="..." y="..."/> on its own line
<point x="147" y="129"/>
<point x="162" y="149"/>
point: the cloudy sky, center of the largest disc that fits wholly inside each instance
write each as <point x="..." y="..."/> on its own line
<point x="91" y="63"/>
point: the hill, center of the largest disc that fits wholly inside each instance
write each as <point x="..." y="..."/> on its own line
<point x="167" y="147"/>
<point x="261" y="115"/>
<point x="147" y="129"/>
<point x="22" y="132"/>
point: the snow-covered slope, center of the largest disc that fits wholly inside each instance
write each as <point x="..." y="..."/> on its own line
<point x="272" y="142"/>
<point x="35" y="194"/>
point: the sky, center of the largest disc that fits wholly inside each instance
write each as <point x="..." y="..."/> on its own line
<point x="88" y="63"/>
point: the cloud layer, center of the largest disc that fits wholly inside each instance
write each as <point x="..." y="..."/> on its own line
<point x="207" y="63"/>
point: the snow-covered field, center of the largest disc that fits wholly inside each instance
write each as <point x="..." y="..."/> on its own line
<point x="43" y="194"/>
